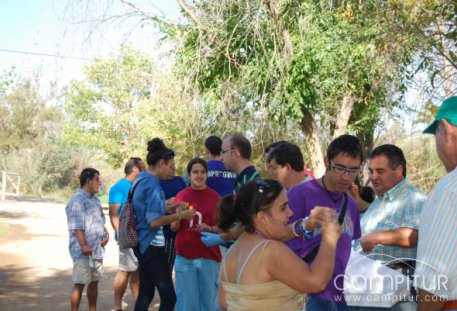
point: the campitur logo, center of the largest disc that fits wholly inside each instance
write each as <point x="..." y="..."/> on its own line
<point x="374" y="286"/>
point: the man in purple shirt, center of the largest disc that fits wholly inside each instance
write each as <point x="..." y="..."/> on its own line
<point x="342" y="162"/>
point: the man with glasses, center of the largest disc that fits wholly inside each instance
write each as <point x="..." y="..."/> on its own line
<point x="236" y="155"/>
<point x="307" y="200"/>
<point x="389" y="226"/>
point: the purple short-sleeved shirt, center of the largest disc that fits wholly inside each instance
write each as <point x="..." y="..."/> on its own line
<point x="302" y="199"/>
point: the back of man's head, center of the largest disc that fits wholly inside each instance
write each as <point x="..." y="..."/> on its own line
<point x="242" y="144"/>
<point x="214" y="145"/>
<point x="393" y="154"/>
<point x="287" y="153"/>
<point x="131" y="163"/>
<point x="272" y="146"/>
<point x="347" y="145"/>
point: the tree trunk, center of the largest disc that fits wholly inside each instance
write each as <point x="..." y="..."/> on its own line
<point x="367" y="140"/>
<point x="342" y="118"/>
<point x="313" y="144"/>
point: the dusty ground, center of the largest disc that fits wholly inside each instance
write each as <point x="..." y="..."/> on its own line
<point x="35" y="265"/>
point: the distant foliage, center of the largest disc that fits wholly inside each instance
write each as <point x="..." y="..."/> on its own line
<point x="424" y="168"/>
<point x="30" y="144"/>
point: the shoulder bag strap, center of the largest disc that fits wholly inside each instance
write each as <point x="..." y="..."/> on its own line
<point x="132" y="191"/>
<point x="313" y="253"/>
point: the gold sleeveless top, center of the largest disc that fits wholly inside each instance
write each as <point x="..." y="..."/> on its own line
<point x="268" y="296"/>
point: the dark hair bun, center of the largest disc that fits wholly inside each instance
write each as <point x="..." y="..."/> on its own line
<point x="155" y="145"/>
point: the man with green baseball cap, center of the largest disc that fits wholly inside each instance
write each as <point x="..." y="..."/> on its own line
<point x="436" y="265"/>
<point x="448" y="111"/>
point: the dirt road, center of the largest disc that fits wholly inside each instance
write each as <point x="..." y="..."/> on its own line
<point x="35" y="265"/>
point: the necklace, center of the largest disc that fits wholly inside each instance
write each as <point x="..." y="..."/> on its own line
<point x="328" y="192"/>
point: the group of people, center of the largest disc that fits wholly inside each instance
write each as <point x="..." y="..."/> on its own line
<point x="239" y="242"/>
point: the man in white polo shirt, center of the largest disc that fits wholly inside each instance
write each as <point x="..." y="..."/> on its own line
<point x="436" y="270"/>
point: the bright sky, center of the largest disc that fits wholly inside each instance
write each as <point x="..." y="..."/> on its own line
<point x="50" y="27"/>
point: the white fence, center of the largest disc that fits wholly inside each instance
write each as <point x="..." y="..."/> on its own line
<point x="10" y="184"/>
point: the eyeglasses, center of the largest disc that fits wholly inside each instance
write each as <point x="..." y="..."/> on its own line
<point x="341" y="169"/>
<point x="225" y="151"/>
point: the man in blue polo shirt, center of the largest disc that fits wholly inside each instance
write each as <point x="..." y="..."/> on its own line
<point x="128" y="265"/>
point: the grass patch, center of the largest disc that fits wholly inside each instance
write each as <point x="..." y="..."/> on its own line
<point x="3" y="229"/>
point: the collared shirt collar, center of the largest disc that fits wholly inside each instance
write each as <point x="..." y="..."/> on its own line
<point x="85" y="193"/>
<point x="392" y="194"/>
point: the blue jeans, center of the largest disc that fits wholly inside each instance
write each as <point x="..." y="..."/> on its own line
<point x="318" y="304"/>
<point x="196" y="283"/>
<point x="155" y="272"/>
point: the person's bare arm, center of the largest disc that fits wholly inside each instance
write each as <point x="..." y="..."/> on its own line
<point x="233" y="234"/>
<point x="168" y="219"/>
<point x="178" y="207"/>
<point x="429" y="302"/>
<point x="207" y="228"/>
<point x="361" y="203"/>
<point x="222" y="301"/>
<point x="403" y="237"/>
<point x="291" y="270"/>
<point x="85" y="248"/>
<point x="174" y="226"/>
<point x="114" y="216"/>
<point x="316" y="218"/>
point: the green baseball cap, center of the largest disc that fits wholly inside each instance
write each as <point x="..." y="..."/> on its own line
<point x="448" y="111"/>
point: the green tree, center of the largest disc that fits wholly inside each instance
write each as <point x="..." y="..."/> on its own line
<point x="315" y="64"/>
<point x="24" y="116"/>
<point x="30" y="143"/>
<point x="106" y="109"/>
<point x="267" y="68"/>
<point x="126" y="100"/>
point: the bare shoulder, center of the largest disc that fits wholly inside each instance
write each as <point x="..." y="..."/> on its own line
<point x="277" y="249"/>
